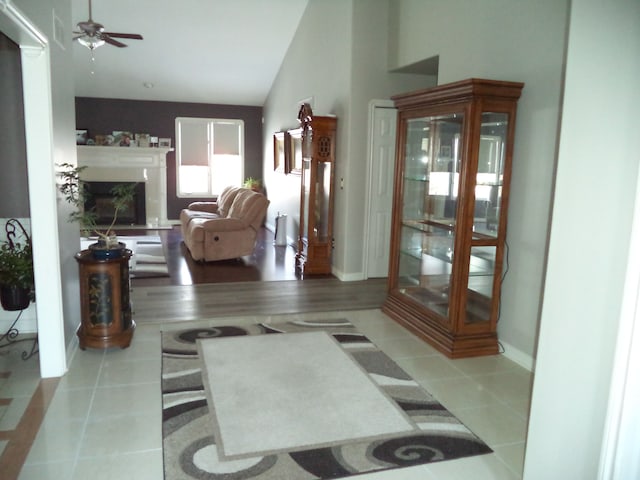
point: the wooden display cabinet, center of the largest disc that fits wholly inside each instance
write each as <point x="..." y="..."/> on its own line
<point x="105" y="304"/>
<point x="453" y="167"/>
<point x="315" y="237"/>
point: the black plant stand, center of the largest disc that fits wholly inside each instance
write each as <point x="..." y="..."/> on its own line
<point x="10" y="336"/>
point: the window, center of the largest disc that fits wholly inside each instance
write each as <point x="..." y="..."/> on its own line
<point x="209" y="155"/>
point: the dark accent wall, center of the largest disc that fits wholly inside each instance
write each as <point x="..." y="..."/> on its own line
<point x="13" y="152"/>
<point x="102" y="116"/>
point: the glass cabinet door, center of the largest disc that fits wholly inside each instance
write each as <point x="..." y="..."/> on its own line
<point x="489" y="179"/>
<point x="432" y="161"/>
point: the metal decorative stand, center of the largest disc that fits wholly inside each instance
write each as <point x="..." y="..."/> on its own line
<point x="10" y="336"/>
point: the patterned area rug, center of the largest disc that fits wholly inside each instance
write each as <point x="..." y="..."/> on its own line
<point x="192" y="443"/>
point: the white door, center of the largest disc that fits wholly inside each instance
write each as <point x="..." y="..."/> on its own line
<point x="382" y="144"/>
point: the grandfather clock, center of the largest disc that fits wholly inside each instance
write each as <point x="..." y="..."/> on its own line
<point x="315" y="238"/>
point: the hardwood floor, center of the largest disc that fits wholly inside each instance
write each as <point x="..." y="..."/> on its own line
<point x="267" y="263"/>
<point x="199" y="302"/>
<point x="264" y="283"/>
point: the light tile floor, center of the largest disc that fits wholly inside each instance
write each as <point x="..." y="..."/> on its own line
<point x="105" y="419"/>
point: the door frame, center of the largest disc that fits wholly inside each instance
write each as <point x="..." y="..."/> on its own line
<point x="38" y="119"/>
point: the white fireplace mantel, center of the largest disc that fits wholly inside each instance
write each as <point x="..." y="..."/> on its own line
<point x="131" y="164"/>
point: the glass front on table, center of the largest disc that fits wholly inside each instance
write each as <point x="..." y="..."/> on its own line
<point x="306" y="181"/>
<point x="323" y="192"/>
<point x="432" y="161"/>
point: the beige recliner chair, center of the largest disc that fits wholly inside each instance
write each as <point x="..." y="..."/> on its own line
<point x="224" y="229"/>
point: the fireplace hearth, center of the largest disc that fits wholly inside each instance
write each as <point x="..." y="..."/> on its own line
<point x="100" y="198"/>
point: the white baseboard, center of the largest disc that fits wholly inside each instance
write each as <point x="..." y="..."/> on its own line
<point x="347" y="277"/>
<point x="518" y="356"/>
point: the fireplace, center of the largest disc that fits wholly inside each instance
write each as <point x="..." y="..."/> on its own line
<point x="100" y="198"/>
<point x="131" y="164"/>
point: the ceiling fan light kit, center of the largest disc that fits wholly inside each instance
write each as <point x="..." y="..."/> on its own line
<point x="90" y="42"/>
<point x="92" y="35"/>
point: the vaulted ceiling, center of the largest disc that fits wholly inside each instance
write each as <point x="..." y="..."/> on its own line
<point x="209" y="51"/>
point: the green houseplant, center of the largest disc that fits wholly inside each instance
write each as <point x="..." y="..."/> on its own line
<point x="104" y="267"/>
<point x="75" y="192"/>
<point x="16" y="275"/>
<point x="253" y="184"/>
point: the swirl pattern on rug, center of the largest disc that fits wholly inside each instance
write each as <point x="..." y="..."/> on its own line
<point x="189" y="442"/>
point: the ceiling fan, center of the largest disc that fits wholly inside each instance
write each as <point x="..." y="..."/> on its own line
<point x="92" y="35"/>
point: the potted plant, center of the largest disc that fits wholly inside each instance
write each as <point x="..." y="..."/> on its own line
<point x="105" y="308"/>
<point x="253" y="184"/>
<point x="16" y="275"/>
<point x="75" y="193"/>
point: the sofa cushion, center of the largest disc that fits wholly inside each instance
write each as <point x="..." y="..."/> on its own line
<point x="199" y="226"/>
<point x="226" y="198"/>
<point x="250" y="206"/>
<point x="209" y="207"/>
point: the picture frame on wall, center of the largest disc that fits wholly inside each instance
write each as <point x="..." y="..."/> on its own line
<point x="280" y="152"/>
<point x="294" y="142"/>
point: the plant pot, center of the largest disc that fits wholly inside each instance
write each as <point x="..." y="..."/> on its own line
<point x="14" y="298"/>
<point x="101" y="251"/>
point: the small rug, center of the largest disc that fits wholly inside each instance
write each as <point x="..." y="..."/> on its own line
<point x="149" y="259"/>
<point x="219" y="414"/>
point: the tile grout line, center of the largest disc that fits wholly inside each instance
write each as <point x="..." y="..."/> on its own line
<point x="21" y="439"/>
<point x="83" y="432"/>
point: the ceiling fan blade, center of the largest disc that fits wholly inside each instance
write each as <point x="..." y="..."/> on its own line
<point x="133" y="36"/>
<point x="111" y="41"/>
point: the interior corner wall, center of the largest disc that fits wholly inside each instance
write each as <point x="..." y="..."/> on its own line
<point x="370" y="80"/>
<point x="315" y="69"/>
<point x="504" y="40"/>
<point x="341" y="69"/>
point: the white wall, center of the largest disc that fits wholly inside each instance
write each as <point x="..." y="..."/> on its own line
<point x="63" y="143"/>
<point x="589" y="241"/>
<point x="370" y="79"/>
<point x="316" y="66"/>
<point x="338" y="59"/>
<point x="504" y="40"/>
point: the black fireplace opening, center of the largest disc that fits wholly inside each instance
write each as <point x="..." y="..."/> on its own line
<point x="100" y="199"/>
